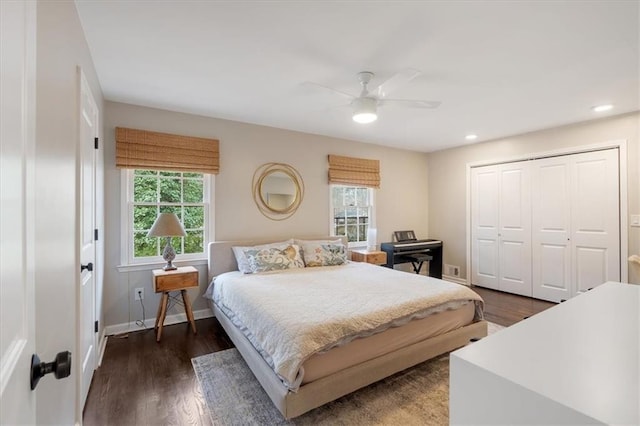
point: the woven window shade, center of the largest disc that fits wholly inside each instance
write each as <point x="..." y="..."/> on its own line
<point x="354" y="171"/>
<point x="142" y="149"/>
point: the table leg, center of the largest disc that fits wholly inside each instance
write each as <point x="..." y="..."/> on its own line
<point x="163" y="313"/>
<point x="158" y="313"/>
<point x="188" y="311"/>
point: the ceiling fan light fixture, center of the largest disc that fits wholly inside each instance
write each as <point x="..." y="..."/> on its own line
<point x="365" y="110"/>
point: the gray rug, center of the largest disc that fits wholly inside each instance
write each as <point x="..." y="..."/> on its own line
<point x="418" y="395"/>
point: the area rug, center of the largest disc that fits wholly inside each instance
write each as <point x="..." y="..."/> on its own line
<point x="418" y="395"/>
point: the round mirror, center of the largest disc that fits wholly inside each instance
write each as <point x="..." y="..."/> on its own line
<point x="277" y="190"/>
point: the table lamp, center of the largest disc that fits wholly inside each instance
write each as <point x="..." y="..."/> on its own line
<point x="167" y="225"/>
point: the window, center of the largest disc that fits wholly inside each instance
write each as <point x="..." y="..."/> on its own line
<point x="150" y="192"/>
<point x="352" y="209"/>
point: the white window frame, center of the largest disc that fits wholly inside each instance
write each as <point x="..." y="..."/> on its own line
<point x="126" y="223"/>
<point x="372" y="213"/>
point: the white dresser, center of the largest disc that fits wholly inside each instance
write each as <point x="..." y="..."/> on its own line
<point x="575" y="363"/>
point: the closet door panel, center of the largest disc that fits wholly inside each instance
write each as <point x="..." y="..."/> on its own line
<point x="551" y="216"/>
<point x="515" y="228"/>
<point x="595" y="218"/>
<point x="484" y="226"/>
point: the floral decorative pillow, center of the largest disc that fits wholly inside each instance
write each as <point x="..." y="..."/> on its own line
<point x="324" y="254"/>
<point x="274" y="258"/>
<point x="243" y="262"/>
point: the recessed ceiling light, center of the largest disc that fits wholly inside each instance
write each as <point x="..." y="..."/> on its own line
<point x="471" y="137"/>
<point x="602" y="108"/>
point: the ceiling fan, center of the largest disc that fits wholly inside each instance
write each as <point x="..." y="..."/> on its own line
<point x="365" y="105"/>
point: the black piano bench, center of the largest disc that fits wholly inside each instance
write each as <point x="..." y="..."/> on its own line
<point x="417" y="260"/>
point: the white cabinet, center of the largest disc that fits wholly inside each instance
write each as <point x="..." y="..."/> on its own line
<point x="501" y="227"/>
<point x="547" y="228"/>
<point x="576" y="363"/>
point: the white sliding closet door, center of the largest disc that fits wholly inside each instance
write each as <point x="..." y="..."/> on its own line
<point x="484" y="226"/>
<point x="576" y="229"/>
<point x="515" y="228"/>
<point x="551" y="232"/>
<point x="501" y="227"/>
<point x="595" y="219"/>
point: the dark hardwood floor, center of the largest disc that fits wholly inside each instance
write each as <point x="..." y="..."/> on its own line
<point x="507" y="309"/>
<point x="142" y="382"/>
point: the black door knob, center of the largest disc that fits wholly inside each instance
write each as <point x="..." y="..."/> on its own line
<point x="60" y="368"/>
<point x="88" y="267"/>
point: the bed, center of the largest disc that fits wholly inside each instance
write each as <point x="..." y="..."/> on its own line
<point x="326" y="370"/>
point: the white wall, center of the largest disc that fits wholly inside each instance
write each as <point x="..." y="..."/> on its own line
<point x="401" y="199"/>
<point x="61" y="47"/>
<point x="447" y="176"/>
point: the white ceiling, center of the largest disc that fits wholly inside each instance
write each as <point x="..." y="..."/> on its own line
<point x="499" y="68"/>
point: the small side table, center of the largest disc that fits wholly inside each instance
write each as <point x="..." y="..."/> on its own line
<point x="374" y="256"/>
<point x="177" y="280"/>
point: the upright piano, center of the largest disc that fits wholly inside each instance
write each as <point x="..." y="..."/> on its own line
<point x="413" y="251"/>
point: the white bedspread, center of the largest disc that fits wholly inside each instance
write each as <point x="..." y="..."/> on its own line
<point x="290" y="315"/>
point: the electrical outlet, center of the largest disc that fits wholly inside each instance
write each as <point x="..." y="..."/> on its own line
<point x="138" y="293"/>
<point x="452" y="270"/>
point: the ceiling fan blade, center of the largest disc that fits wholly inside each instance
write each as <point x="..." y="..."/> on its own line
<point x="410" y="103"/>
<point x="327" y="89"/>
<point x="396" y="81"/>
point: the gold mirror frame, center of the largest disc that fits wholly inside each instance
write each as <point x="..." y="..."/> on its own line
<point x="263" y="172"/>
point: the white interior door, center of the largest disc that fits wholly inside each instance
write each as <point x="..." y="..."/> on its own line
<point x="514" y="234"/>
<point x="485" y="188"/>
<point x="17" y="176"/>
<point x="551" y="233"/>
<point x="595" y="218"/>
<point x="86" y="202"/>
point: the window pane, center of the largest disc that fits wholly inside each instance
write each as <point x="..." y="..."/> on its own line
<point x="193" y="190"/>
<point x="363" y="196"/>
<point x="170" y="173"/>
<point x="194" y="217"/>
<point x="144" y="216"/>
<point x="194" y="242"/>
<point x="352" y="233"/>
<point x="144" y="246"/>
<point x="145" y="189"/>
<point x="139" y="172"/>
<point x="349" y="196"/>
<point x="172" y="209"/>
<point x="352" y="212"/>
<point x="338" y="194"/>
<point x="362" y="232"/>
<point x="340" y="230"/>
<point x="170" y="190"/>
<point x="176" y="243"/>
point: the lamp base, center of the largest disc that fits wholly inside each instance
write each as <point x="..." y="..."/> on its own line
<point x="169" y="254"/>
<point x="169" y="267"/>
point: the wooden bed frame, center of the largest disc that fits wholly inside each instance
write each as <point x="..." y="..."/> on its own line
<point x="326" y="389"/>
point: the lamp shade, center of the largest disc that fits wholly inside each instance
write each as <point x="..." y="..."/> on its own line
<point x="364" y="110"/>
<point x="167" y="225"/>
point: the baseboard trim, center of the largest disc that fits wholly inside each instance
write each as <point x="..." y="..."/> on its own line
<point x="110" y="330"/>
<point x="456" y="280"/>
<point x="102" y="345"/>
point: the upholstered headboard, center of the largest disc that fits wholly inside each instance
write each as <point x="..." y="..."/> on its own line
<point x="221" y="259"/>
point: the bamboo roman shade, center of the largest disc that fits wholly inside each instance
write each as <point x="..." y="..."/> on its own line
<point x="354" y="171"/>
<point x="142" y="149"/>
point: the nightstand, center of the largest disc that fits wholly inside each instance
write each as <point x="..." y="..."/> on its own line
<point x="374" y="256"/>
<point x="177" y="280"/>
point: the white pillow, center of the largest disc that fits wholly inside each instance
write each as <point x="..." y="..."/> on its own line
<point x="274" y="259"/>
<point x="243" y="262"/>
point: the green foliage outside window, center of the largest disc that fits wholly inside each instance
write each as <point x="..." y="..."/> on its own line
<point x="157" y="192"/>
